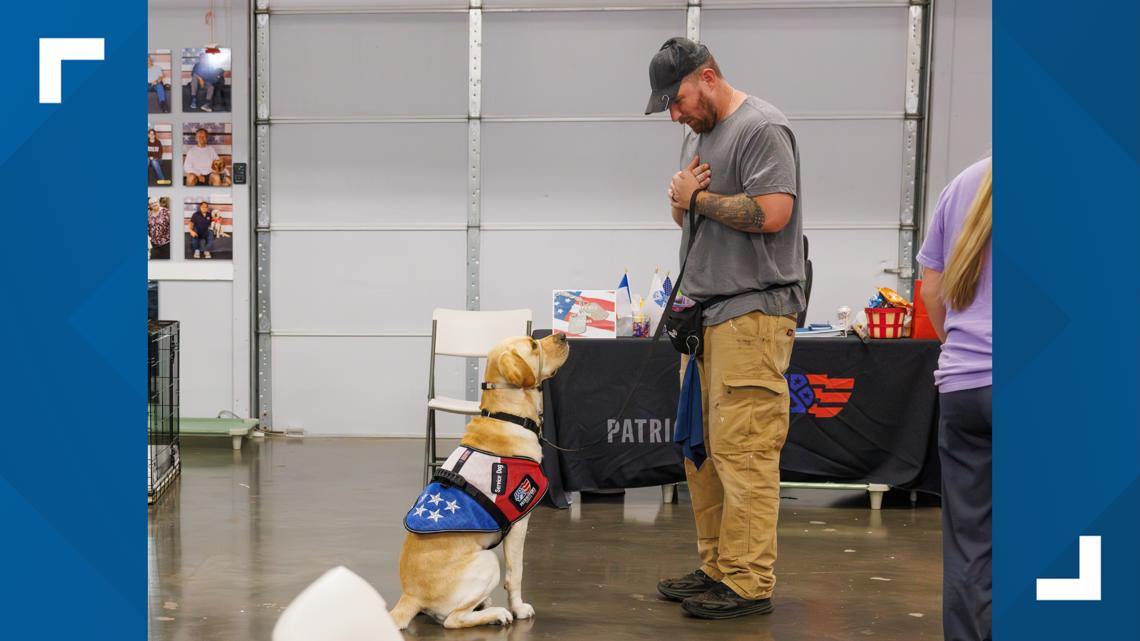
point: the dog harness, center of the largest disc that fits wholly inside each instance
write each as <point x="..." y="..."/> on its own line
<point x="475" y="491"/>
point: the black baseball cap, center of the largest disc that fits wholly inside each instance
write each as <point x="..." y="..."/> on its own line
<point x="677" y="58"/>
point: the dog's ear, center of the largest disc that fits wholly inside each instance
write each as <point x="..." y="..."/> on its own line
<point x="515" y="369"/>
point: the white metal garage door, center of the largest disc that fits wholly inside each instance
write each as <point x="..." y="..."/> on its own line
<point x="457" y="156"/>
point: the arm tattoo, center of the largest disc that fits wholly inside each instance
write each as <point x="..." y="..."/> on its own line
<point x="737" y="211"/>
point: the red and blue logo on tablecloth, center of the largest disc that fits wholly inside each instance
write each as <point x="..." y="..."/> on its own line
<point x="818" y="394"/>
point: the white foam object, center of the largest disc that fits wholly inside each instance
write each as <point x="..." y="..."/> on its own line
<point x="339" y="606"/>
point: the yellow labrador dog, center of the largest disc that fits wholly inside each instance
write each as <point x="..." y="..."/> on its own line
<point x="449" y="574"/>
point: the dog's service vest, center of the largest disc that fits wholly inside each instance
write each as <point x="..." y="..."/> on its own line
<point x="475" y="491"/>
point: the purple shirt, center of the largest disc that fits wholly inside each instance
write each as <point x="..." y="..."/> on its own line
<point x="966" y="361"/>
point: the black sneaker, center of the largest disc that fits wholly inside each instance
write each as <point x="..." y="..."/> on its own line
<point x="721" y="602"/>
<point x="692" y="584"/>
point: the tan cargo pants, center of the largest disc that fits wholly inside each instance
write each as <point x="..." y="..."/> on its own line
<point x="736" y="493"/>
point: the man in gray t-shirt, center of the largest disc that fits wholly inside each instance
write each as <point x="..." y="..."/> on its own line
<point x="740" y="158"/>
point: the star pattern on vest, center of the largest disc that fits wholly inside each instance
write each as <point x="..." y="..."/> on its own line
<point x="441" y="507"/>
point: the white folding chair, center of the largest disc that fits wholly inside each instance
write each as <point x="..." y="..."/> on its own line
<point x="470" y="334"/>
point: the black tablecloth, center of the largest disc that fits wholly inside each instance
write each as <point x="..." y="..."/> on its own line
<point x="860" y="413"/>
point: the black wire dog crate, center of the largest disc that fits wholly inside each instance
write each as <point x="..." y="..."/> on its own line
<point x="163" y="460"/>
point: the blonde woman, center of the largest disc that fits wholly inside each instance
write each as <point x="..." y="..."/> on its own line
<point x="957" y="287"/>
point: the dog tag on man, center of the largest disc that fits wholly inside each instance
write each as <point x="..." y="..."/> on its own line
<point x="239" y="173"/>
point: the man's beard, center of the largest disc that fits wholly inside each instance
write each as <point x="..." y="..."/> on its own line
<point x="705" y="122"/>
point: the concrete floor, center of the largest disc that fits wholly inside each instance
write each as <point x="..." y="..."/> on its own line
<point x="241" y="533"/>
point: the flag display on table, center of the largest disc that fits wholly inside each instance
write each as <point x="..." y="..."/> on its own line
<point x="624" y="300"/>
<point x="585" y="313"/>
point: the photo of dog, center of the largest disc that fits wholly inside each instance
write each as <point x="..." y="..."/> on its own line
<point x="204" y="144"/>
<point x="217" y="226"/>
<point x="210" y="235"/>
<point x="219" y="177"/>
<point x="450" y="574"/>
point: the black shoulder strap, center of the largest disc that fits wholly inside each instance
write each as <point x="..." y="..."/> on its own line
<point x="694" y="224"/>
<point x="447" y="477"/>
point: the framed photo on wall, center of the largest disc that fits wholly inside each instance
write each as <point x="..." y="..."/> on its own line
<point x="158" y="228"/>
<point x="206" y="79"/>
<point x="160" y="154"/>
<point x="207" y="154"/>
<point x="158" y="81"/>
<point x="208" y="225"/>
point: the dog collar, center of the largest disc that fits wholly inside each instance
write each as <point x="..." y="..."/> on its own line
<point x="517" y="420"/>
<point x="538" y="386"/>
<point x="488" y="386"/>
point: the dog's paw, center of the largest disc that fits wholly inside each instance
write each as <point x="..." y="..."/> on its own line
<point x="523" y="611"/>
<point x="500" y="616"/>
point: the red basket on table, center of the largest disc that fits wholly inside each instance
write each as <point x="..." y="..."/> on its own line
<point x="885" y="322"/>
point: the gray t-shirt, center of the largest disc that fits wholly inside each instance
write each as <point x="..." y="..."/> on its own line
<point x="752" y="151"/>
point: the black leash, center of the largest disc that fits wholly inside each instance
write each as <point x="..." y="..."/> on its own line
<point x="560" y="449"/>
<point x="694" y="224"/>
<point x="528" y="423"/>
